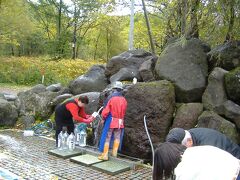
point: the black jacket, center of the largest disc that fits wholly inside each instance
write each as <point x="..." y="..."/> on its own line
<point x="205" y="136"/>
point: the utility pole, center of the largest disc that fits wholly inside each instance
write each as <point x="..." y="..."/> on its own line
<point x="59" y="18"/>
<point x="148" y="27"/>
<point x="131" y="30"/>
<point x="74" y="43"/>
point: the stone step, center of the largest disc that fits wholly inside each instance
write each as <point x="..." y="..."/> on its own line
<point x="131" y="161"/>
<point x="88" y="156"/>
<point x="111" y="167"/>
<point x="85" y="160"/>
<point x="65" y="153"/>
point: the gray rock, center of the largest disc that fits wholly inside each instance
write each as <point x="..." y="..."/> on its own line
<point x="37" y="101"/>
<point x="226" y="56"/>
<point x="187" y="115"/>
<point x="232" y="85"/>
<point x="125" y="74"/>
<point x="185" y="64"/>
<point x="215" y="95"/>
<point x="54" y="87"/>
<point x="94" y="80"/>
<point x="10" y="97"/>
<point x="8" y="113"/>
<point x="231" y="110"/>
<point x="27" y="121"/>
<point x="147" y="68"/>
<point x="209" y="119"/>
<point x="128" y="59"/>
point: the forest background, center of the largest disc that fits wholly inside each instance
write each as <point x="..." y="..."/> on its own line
<point x="61" y="41"/>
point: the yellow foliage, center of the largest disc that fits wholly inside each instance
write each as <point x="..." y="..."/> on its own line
<point x="29" y="70"/>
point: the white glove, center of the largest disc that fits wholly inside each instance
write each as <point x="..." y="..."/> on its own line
<point x="94" y="114"/>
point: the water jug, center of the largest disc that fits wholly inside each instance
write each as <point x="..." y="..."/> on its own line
<point x="71" y="142"/>
<point x="77" y="135"/>
<point x="83" y="137"/>
<point x="64" y="139"/>
<point x="60" y="138"/>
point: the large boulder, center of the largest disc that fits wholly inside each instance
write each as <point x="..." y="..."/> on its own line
<point x="215" y="95"/>
<point x="187" y="115"/>
<point x="146" y="69"/>
<point x="232" y="85"/>
<point x="209" y="119"/>
<point x="37" y="102"/>
<point x="226" y="56"/>
<point x="231" y="111"/>
<point x="184" y="63"/>
<point x="131" y="60"/>
<point x="94" y="80"/>
<point x="125" y="74"/>
<point x="8" y="113"/>
<point x="156" y="100"/>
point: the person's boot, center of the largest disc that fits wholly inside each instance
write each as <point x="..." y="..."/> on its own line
<point x="115" y="148"/>
<point x="104" y="155"/>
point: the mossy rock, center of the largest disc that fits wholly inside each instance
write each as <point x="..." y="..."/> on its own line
<point x="232" y="85"/>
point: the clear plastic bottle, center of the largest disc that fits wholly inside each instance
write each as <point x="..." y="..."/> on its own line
<point x="134" y="80"/>
<point x="77" y="135"/>
<point x="83" y="137"/>
<point x="64" y="139"/>
<point x="71" y="142"/>
<point x="60" y="138"/>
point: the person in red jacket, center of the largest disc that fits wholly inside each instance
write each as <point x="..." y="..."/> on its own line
<point x="72" y="109"/>
<point x="114" y="112"/>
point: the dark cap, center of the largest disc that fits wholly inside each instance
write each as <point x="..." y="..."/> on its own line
<point x="175" y="135"/>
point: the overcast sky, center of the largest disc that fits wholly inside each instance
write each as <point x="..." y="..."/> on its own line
<point x="120" y="9"/>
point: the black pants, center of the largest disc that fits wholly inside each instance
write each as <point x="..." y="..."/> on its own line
<point x="59" y="126"/>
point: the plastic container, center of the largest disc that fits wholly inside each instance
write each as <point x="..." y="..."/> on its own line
<point x="83" y="137"/>
<point x="71" y="142"/>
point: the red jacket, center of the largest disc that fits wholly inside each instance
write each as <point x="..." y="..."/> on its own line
<point x="78" y="113"/>
<point x="117" y="106"/>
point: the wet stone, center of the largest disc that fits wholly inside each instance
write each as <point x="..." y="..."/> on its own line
<point x="111" y="167"/>
<point x="28" y="158"/>
<point x="65" y="153"/>
<point x="86" y="159"/>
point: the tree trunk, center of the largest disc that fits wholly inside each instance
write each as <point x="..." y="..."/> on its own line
<point x="59" y="18"/>
<point x="148" y="27"/>
<point x="59" y="48"/>
<point x="131" y="30"/>
<point x="96" y="46"/>
<point x="74" y="33"/>
<point x="107" y="45"/>
<point x="229" y="35"/>
<point x="179" y="19"/>
<point x="184" y="17"/>
<point x="193" y="29"/>
<point x="12" y="50"/>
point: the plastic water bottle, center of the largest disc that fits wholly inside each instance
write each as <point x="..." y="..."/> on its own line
<point x="60" y="138"/>
<point x="71" y="142"/>
<point x="134" y="80"/>
<point x="77" y="135"/>
<point x="83" y="137"/>
<point x="64" y="140"/>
